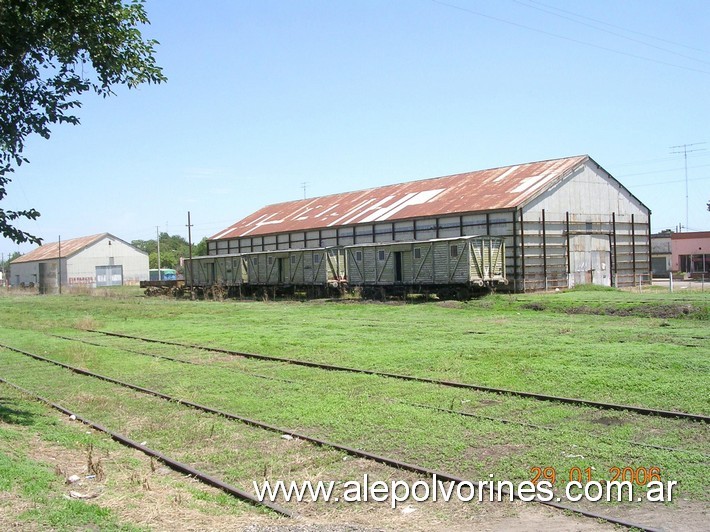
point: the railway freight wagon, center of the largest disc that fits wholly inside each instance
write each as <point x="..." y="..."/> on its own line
<point x="222" y="270"/>
<point x="449" y="267"/>
<point x="316" y="270"/>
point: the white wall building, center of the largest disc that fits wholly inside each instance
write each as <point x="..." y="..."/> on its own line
<point x="94" y="261"/>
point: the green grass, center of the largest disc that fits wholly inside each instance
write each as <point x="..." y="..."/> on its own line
<point x="36" y="483"/>
<point x="537" y="343"/>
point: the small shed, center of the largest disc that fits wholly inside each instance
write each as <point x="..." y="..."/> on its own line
<point x="90" y="261"/>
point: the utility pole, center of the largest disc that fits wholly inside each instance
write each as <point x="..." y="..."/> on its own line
<point x="683" y="149"/>
<point x="304" y="184"/>
<point x="157" y="232"/>
<point x="189" y="245"/>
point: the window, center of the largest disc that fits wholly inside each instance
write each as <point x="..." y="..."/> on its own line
<point x="358" y="256"/>
<point x="454" y="251"/>
<point x="254" y="261"/>
<point x="589" y="226"/>
<point x="271" y="260"/>
<point x="417" y="253"/>
<point x="381" y="255"/>
<point x="316" y="258"/>
<point x="293" y="259"/>
<point x="695" y="263"/>
<point x="698" y="263"/>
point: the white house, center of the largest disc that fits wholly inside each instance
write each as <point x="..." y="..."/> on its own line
<point x="97" y="260"/>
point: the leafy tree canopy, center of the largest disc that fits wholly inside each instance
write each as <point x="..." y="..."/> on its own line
<point x="172" y="248"/>
<point x="51" y="52"/>
<point x="5" y="264"/>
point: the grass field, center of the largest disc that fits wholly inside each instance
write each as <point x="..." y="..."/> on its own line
<point x="647" y="349"/>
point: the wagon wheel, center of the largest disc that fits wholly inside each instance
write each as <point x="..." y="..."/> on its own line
<point x="463" y="293"/>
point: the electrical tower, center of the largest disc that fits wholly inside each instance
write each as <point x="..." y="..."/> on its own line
<point x="683" y="149"/>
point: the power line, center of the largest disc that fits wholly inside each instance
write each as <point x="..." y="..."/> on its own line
<point x="620" y="27"/>
<point x="639" y="41"/>
<point x="670" y="182"/>
<point x="570" y="39"/>
<point x="664" y="171"/>
<point x="653" y="161"/>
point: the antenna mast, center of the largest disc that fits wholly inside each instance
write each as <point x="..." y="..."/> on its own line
<point x="683" y="149"/>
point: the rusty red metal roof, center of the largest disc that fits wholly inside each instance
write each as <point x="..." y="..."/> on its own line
<point x="51" y="250"/>
<point x="485" y="190"/>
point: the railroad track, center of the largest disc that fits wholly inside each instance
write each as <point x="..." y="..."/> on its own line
<point x="415" y="405"/>
<point x="389" y="461"/>
<point x="172" y="359"/>
<point x="501" y="391"/>
<point x="173" y="464"/>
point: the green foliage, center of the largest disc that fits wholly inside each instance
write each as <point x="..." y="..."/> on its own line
<point x="51" y="52"/>
<point x="201" y="248"/>
<point x="172" y="248"/>
<point x="5" y="264"/>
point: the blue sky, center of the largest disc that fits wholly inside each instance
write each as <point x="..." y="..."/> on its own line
<point x="265" y="95"/>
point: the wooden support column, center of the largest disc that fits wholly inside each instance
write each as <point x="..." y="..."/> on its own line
<point x="522" y="249"/>
<point x="460" y="225"/>
<point x="394" y="233"/>
<point x="488" y="223"/>
<point x="414" y="231"/>
<point x="650" y="262"/>
<point x="633" y="248"/>
<point x="569" y="261"/>
<point x="515" y="253"/>
<point x="544" y="249"/>
<point x="613" y="233"/>
<point x="437" y="227"/>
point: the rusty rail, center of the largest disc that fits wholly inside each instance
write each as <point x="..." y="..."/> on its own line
<point x="170" y="462"/>
<point x="502" y="391"/>
<point x="425" y="471"/>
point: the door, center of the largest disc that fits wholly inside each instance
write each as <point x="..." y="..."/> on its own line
<point x="47" y="278"/>
<point x="590" y="257"/>
<point x="109" y="275"/>
<point x="397" y="266"/>
<point x="282" y="270"/>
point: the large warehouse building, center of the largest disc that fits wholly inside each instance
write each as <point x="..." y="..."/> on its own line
<point x="566" y="221"/>
<point x="97" y="260"/>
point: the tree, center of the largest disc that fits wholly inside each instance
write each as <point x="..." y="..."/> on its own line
<point x="51" y="52"/>
<point x="172" y="248"/>
<point x="201" y="248"/>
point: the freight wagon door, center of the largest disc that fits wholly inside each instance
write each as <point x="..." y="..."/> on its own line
<point x="590" y="256"/>
<point x="397" y="266"/>
<point x="283" y="278"/>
